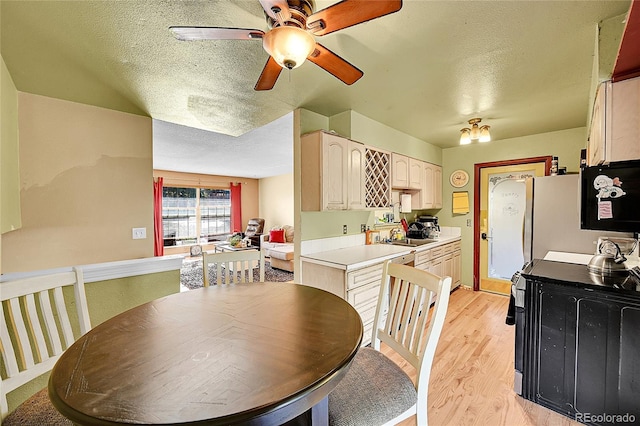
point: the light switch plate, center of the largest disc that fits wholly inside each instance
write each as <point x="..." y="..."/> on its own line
<point x="139" y="233"/>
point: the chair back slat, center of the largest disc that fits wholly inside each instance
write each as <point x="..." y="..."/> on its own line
<point x="8" y="354"/>
<point x="83" y="309"/>
<point x="34" y="328"/>
<point x="50" y="322"/>
<point x="232" y="266"/>
<point x="404" y="313"/>
<point x="34" y="313"/>
<point x="19" y="328"/>
<point x="65" y="325"/>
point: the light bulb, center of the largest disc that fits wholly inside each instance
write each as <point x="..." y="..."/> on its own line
<point x="289" y="46"/>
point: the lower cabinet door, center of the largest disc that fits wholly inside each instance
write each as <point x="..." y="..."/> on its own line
<point x="585" y="353"/>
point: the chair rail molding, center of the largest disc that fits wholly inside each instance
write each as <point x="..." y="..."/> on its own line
<point x="110" y="270"/>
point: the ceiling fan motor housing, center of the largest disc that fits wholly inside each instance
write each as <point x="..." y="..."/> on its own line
<point x="300" y="10"/>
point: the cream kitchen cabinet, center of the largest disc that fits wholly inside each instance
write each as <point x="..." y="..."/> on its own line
<point x="406" y="172"/>
<point x="399" y="170"/>
<point x="333" y="172"/>
<point x="416" y="171"/>
<point x="613" y="135"/>
<point x="354" y="273"/>
<point x="360" y="287"/>
<point x="430" y="195"/>
<point x="437" y="187"/>
<point x="456" y="272"/>
<point x="444" y="260"/>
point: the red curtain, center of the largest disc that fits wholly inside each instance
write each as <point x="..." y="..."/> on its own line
<point x="158" y="239"/>
<point x="236" y="207"/>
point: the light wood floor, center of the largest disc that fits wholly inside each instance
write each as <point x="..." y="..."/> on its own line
<point x="472" y="374"/>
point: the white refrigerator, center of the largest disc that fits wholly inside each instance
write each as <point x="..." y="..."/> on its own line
<point x="554" y="220"/>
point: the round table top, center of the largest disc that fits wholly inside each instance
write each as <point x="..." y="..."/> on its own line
<point x="220" y="355"/>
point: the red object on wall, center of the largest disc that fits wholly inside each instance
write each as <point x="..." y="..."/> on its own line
<point x="628" y="60"/>
<point x="236" y="207"/>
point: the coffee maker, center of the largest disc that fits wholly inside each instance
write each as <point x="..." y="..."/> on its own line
<point x="431" y="225"/>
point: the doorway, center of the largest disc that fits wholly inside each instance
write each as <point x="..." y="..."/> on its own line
<point x="499" y="208"/>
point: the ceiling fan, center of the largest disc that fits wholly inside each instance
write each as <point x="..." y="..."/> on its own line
<point x="290" y="38"/>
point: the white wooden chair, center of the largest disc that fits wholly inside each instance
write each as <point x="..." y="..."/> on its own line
<point x="375" y="391"/>
<point x="34" y="311"/>
<point x="232" y="266"/>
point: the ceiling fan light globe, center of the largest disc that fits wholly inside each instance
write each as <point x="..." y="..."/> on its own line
<point x="289" y="46"/>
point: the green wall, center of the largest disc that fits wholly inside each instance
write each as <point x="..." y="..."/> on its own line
<point x="565" y="144"/>
<point x="106" y="299"/>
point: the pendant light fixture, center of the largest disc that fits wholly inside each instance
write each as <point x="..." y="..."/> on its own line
<point x="475" y="133"/>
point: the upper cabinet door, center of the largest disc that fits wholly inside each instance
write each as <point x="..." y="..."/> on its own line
<point x="431" y="193"/>
<point x="597" y="132"/>
<point x="613" y="135"/>
<point x="623" y="142"/>
<point x="428" y="193"/>
<point x="399" y="171"/>
<point x="437" y="187"/>
<point x="356" y="194"/>
<point x="416" y="168"/>
<point x="335" y="174"/>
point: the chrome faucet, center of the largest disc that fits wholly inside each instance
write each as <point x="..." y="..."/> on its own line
<point x="396" y="234"/>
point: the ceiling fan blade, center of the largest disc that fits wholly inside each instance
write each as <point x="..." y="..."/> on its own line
<point x="276" y="9"/>
<point x="335" y="65"/>
<point x="215" y="33"/>
<point x="269" y="75"/>
<point x="348" y="13"/>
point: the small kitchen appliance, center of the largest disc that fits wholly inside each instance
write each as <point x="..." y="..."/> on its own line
<point x="418" y="230"/>
<point x="431" y="225"/>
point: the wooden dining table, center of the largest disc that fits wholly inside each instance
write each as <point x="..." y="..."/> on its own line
<point x="255" y="354"/>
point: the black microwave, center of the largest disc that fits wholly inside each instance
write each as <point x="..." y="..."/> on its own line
<point x="610" y="197"/>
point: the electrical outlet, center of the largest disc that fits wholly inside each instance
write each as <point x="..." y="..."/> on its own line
<point x="363" y="227"/>
<point x="138" y="233"/>
<point x="344" y="229"/>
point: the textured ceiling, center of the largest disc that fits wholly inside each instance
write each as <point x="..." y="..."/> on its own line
<point x="262" y="152"/>
<point x="525" y="67"/>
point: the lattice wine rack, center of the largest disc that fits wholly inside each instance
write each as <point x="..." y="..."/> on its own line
<point x="377" y="179"/>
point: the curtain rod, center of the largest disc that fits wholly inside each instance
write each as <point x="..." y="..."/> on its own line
<point x="199" y="181"/>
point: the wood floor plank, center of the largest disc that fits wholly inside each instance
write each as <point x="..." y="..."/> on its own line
<point x="472" y="374"/>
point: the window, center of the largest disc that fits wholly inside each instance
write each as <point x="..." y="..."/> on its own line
<point x="190" y="215"/>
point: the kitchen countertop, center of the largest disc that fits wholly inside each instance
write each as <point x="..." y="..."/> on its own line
<point x="357" y="257"/>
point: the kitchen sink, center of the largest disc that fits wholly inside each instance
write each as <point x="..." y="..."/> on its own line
<point x="413" y="242"/>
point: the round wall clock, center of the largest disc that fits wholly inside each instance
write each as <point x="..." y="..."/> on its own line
<point x="459" y="178"/>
